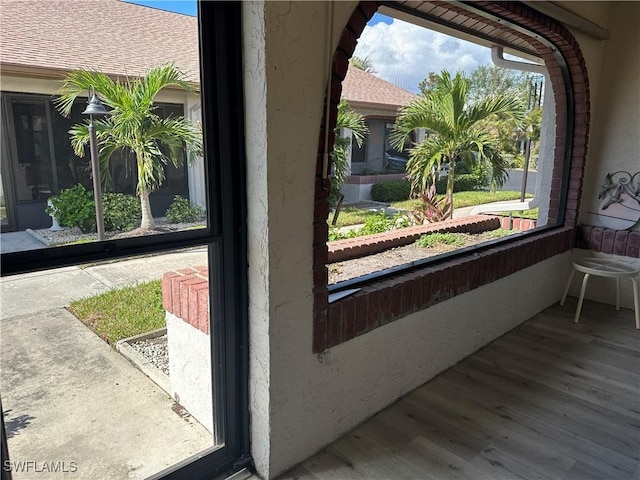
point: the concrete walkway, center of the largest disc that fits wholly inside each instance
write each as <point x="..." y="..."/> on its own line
<point x="18" y="241"/>
<point x="69" y="397"/>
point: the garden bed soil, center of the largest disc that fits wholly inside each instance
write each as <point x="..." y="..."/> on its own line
<point x="348" y="269"/>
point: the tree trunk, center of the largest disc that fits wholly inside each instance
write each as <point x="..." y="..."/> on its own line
<point x="450" y="187"/>
<point x="148" y="222"/>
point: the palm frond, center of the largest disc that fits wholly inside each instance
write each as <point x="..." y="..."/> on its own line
<point x="79" y="82"/>
<point x="147" y="88"/>
<point x="132" y="124"/>
<point x="354" y="121"/>
<point x="501" y="104"/>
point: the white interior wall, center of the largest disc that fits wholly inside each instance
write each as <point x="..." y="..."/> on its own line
<point x="300" y="401"/>
<point x="614" y="76"/>
<point x="615" y="122"/>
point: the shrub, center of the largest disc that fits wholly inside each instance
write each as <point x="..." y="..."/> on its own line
<point x="121" y="212"/>
<point x="74" y="207"/>
<point x="433" y="239"/>
<point x="378" y="223"/>
<point x="464" y="182"/>
<point x="500" y="233"/>
<point x="182" y="210"/>
<point x="391" y="191"/>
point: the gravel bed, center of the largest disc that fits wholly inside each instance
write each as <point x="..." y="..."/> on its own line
<point x="155" y="350"/>
<point x="65" y="236"/>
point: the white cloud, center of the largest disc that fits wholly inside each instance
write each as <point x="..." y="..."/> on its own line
<point x="404" y="54"/>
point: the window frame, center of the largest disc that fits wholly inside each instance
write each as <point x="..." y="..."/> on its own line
<point x="221" y="75"/>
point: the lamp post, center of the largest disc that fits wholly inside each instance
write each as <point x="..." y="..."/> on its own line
<point x="527" y="156"/>
<point x="95" y="108"/>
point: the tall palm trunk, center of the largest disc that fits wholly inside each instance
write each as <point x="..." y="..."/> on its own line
<point x="449" y="193"/>
<point x="148" y="222"/>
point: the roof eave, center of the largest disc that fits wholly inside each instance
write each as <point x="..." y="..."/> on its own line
<point x="57" y="74"/>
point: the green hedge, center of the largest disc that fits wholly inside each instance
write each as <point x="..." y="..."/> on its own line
<point x="121" y="212"/>
<point x="400" y="190"/>
<point x="391" y="191"/>
<point x="464" y="182"/>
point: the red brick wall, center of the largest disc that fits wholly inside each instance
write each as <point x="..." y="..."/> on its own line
<point x="185" y="294"/>
<point x="386" y="301"/>
<point x="608" y="240"/>
<point x="515" y="223"/>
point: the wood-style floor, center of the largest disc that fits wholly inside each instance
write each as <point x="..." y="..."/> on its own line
<point x="549" y="400"/>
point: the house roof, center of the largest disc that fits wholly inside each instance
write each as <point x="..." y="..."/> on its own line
<point x="111" y="36"/>
<point x="360" y="88"/>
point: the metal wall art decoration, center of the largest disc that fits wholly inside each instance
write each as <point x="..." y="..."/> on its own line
<point x="619" y="197"/>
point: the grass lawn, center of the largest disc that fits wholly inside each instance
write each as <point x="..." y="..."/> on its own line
<point x="531" y="213"/>
<point x="467" y="199"/>
<point x="351" y="216"/>
<point x="355" y="216"/>
<point x="124" y="312"/>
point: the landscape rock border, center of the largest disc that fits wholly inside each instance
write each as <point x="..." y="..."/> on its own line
<point x="141" y="362"/>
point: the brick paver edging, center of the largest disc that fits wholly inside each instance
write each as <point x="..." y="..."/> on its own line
<point x="340" y="250"/>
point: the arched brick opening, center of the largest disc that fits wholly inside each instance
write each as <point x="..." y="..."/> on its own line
<point x="388" y="300"/>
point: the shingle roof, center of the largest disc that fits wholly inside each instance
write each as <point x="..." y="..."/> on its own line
<point x="362" y="87"/>
<point x="107" y="35"/>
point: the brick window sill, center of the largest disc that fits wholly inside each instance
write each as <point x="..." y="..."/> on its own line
<point x="388" y="300"/>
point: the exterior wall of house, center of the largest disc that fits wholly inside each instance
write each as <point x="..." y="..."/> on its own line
<point x="32" y="214"/>
<point x="300" y="401"/>
<point x="614" y="75"/>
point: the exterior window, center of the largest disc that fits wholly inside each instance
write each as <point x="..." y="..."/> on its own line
<point x="178" y="294"/>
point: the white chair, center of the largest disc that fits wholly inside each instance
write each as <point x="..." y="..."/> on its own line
<point x="603" y="267"/>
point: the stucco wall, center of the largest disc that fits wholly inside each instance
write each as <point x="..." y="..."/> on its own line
<point x="614" y="76"/>
<point x="615" y="124"/>
<point x="300" y="401"/>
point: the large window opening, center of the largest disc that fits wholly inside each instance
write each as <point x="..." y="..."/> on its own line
<point x="479" y="141"/>
<point x="128" y="358"/>
<point x="388" y="291"/>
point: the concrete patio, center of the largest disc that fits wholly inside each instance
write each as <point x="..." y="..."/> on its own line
<point x="69" y="397"/>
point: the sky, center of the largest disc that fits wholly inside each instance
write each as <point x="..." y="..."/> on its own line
<point x="187" y="7"/>
<point x="401" y="53"/>
<point x="404" y="54"/>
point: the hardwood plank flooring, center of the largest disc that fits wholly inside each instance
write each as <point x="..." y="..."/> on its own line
<point x="549" y="400"/>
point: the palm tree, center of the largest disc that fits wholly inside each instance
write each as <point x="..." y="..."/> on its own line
<point x="354" y="121"/>
<point x="362" y="63"/>
<point x="133" y="125"/>
<point x="454" y="132"/>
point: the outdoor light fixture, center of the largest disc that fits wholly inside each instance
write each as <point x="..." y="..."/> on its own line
<point x="95" y="108"/>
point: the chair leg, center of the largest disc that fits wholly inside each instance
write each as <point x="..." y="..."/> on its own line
<point x="566" y="290"/>
<point x="636" y="301"/>
<point x="581" y="299"/>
